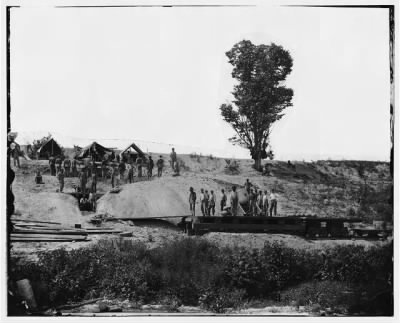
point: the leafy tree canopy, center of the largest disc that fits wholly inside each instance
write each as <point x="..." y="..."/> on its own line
<point x="260" y="95"/>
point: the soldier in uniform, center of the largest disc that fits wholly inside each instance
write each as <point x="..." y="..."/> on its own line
<point x="52" y="163"/>
<point x="73" y="168"/>
<point x="60" y="176"/>
<point x="58" y="164"/>
<point x="67" y="167"/>
<point x="150" y="167"/>
<point x="160" y="166"/>
<point x="83" y="180"/>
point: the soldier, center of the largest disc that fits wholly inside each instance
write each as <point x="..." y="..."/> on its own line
<point x="131" y="174"/>
<point x="206" y="201"/>
<point x="74" y="170"/>
<point x="160" y="166"/>
<point x="60" y="176"/>
<point x="265" y="203"/>
<point x="58" y="164"/>
<point x="83" y="180"/>
<point x="121" y="168"/>
<point x="252" y="202"/>
<point x="223" y="199"/>
<point x="67" y="167"/>
<point x="192" y="201"/>
<point x="150" y="167"/>
<point x="260" y="200"/>
<point x="104" y="169"/>
<point x="234" y="200"/>
<point x="247" y="186"/>
<point x="52" y="163"/>
<point x="15" y="153"/>
<point x="211" y="203"/>
<point x="202" y="202"/>
<point x="92" y="200"/>
<point x="173" y="158"/>
<point x="274" y="203"/>
<point x="139" y="162"/>
<point x="38" y="177"/>
<point x="94" y="182"/>
<point x="112" y="176"/>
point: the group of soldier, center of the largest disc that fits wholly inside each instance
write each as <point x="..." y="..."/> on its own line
<point x="208" y="202"/>
<point x="259" y="203"/>
<point x="118" y="170"/>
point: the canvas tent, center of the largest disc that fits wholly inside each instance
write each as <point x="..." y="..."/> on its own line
<point x="94" y="150"/>
<point x="132" y="152"/>
<point x="49" y="148"/>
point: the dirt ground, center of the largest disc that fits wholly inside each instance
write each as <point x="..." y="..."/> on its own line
<point x="321" y="188"/>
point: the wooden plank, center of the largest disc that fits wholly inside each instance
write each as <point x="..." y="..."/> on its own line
<point x="103" y="232"/>
<point x="47" y="236"/>
<point x="68" y="232"/>
<point x="45" y="240"/>
<point x="147" y="218"/>
<point x="34" y="221"/>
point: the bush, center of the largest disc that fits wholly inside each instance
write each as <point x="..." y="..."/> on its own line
<point x="218" y="300"/>
<point x="193" y="271"/>
<point x="332" y="294"/>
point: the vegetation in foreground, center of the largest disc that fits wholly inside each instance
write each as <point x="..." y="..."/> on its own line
<point x="345" y="279"/>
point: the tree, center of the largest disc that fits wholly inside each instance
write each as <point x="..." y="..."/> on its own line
<point x="259" y="96"/>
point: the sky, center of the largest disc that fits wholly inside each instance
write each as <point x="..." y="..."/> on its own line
<point x="159" y="75"/>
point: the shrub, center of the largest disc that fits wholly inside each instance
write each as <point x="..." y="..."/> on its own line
<point x="193" y="271"/>
<point x="219" y="300"/>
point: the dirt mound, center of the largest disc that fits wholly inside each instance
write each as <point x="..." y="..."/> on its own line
<point x="47" y="206"/>
<point x="165" y="197"/>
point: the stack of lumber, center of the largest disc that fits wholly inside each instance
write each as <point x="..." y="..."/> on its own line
<point x="42" y="231"/>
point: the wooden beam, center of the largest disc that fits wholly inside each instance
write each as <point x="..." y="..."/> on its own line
<point x="69" y="232"/>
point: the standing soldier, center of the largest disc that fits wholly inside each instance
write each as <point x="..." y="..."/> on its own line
<point x="247" y="186"/>
<point x="118" y="176"/>
<point x="112" y="176"/>
<point x="223" y="199"/>
<point x="139" y="162"/>
<point x="173" y="159"/>
<point x="265" y="203"/>
<point x="206" y="201"/>
<point x="92" y="200"/>
<point x="83" y="180"/>
<point x="192" y="201"/>
<point x="260" y="200"/>
<point x="104" y="169"/>
<point x="73" y="168"/>
<point x="121" y="168"/>
<point x="274" y="202"/>
<point x="202" y="202"/>
<point x="234" y="200"/>
<point x="211" y="203"/>
<point x="94" y="182"/>
<point x="60" y="177"/>
<point x="52" y="164"/>
<point x="160" y="166"/>
<point x="130" y="174"/>
<point x="15" y="153"/>
<point x="150" y="167"/>
<point x="38" y="177"/>
<point x="58" y="163"/>
<point x="252" y="201"/>
<point x="67" y="167"/>
<point x="89" y="168"/>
